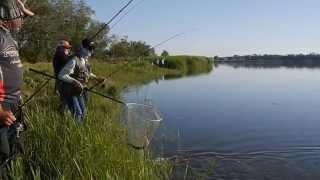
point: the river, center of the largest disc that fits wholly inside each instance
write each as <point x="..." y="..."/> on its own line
<point x="239" y="122"/>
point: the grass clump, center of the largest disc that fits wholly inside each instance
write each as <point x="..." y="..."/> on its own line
<point x="189" y="64"/>
<point x="56" y="147"/>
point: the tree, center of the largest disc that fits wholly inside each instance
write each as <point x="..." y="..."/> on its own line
<point x="56" y="20"/>
<point x="140" y="49"/>
<point x="71" y="20"/>
<point x="125" y="48"/>
<point x="120" y="49"/>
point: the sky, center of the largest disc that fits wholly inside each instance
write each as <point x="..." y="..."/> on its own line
<point x="220" y="27"/>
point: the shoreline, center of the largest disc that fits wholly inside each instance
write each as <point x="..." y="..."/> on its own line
<point x="59" y="148"/>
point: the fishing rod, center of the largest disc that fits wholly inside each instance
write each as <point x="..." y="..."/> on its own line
<point x="105" y="25"/>
<point x="107" y="97"/>
<point x="169" y="39"/>
<point x="114" y="17"/>
<point x="123" y="16"/>
<point x="94" y="92"/>
<point x="108" y="76"/>
<point x="35" y="93"/>
<point x="123" y="66"/>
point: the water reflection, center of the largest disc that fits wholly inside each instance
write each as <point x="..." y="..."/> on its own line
<point x="190" y="73"/>
<point x="179" y="76"/>
<point x="253" y="122"/>
<point x="274" y="63"/>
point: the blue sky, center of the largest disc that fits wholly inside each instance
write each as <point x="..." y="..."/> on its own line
<point x="224" y="27"/>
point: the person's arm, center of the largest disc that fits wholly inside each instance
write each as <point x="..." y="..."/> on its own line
<point x="6" y="117"/>
<point x="93" y="76"/>
<point x="66" y="71"/>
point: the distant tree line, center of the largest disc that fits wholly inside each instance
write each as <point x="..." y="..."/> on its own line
<point x="70" y="20"/>
<point x="294" y="60"/>
<point x="255" y="57"/>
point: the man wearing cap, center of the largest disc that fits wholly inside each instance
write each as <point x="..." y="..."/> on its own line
<point x="85" y="52"/>
<point x="61" y="56"/>
<point x="60" y="59"/>
<point x="73" y="77"/>
<point x="12" y="13"/>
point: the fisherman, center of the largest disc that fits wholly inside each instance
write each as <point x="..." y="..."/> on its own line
<point x="163" y="62"/>
<point x="12" y="13"/>
<point x="85" y="52"/>
<point x="60" y="59"/>
<point x="61" y="56"/>
<point x="74" y="76"/>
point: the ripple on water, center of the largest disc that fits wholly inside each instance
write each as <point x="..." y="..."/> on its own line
<point x="301" y="163"/>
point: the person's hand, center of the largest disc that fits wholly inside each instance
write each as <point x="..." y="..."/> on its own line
<point x="6" y="118"/>
<point x="26" y="11"/>
<point x="78" y="85"/>
<point x="101" y="80"/>
<point x="78" y="88"/>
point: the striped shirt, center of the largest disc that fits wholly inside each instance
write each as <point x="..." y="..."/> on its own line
<point x="11" y="73"/>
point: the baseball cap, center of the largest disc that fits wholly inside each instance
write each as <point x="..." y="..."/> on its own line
<point x="65" y="44"/>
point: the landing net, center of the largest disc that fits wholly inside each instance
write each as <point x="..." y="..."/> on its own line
<point x="142" y="121"/>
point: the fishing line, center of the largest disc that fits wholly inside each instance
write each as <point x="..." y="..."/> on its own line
<point x="140" y="96"/>
<point x="158" y="45"/>
<point x="113" y="18"/>
<point x="173" y="37"/>
<point x="124" y="15"/>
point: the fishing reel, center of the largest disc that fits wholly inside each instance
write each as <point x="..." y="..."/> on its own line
<point x="20" y="126"/>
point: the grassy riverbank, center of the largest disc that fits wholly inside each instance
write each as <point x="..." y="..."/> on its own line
<point x="58" y="148"/>
<point x="189" y="64"/>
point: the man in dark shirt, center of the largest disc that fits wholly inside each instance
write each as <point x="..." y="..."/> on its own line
<point x="61" y="56"/>
<point x="12" y="13"/>
<point x="60" y="59"/>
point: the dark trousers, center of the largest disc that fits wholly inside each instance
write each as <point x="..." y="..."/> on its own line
<point x="10" y="140"/>
<point x="59" y="92"/>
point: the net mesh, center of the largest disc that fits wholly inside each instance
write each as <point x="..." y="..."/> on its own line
<point x="142" y="121"/>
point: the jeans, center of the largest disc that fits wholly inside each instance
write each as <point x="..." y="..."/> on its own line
<point x="85" y="97"/>
<point x="76" y="105"/>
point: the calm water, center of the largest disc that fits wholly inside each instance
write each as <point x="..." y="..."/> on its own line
<point x="240" y="123"/>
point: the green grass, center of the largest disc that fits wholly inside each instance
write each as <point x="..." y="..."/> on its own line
<point x="58" y="148"/>
<point x="189" y="65"/>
